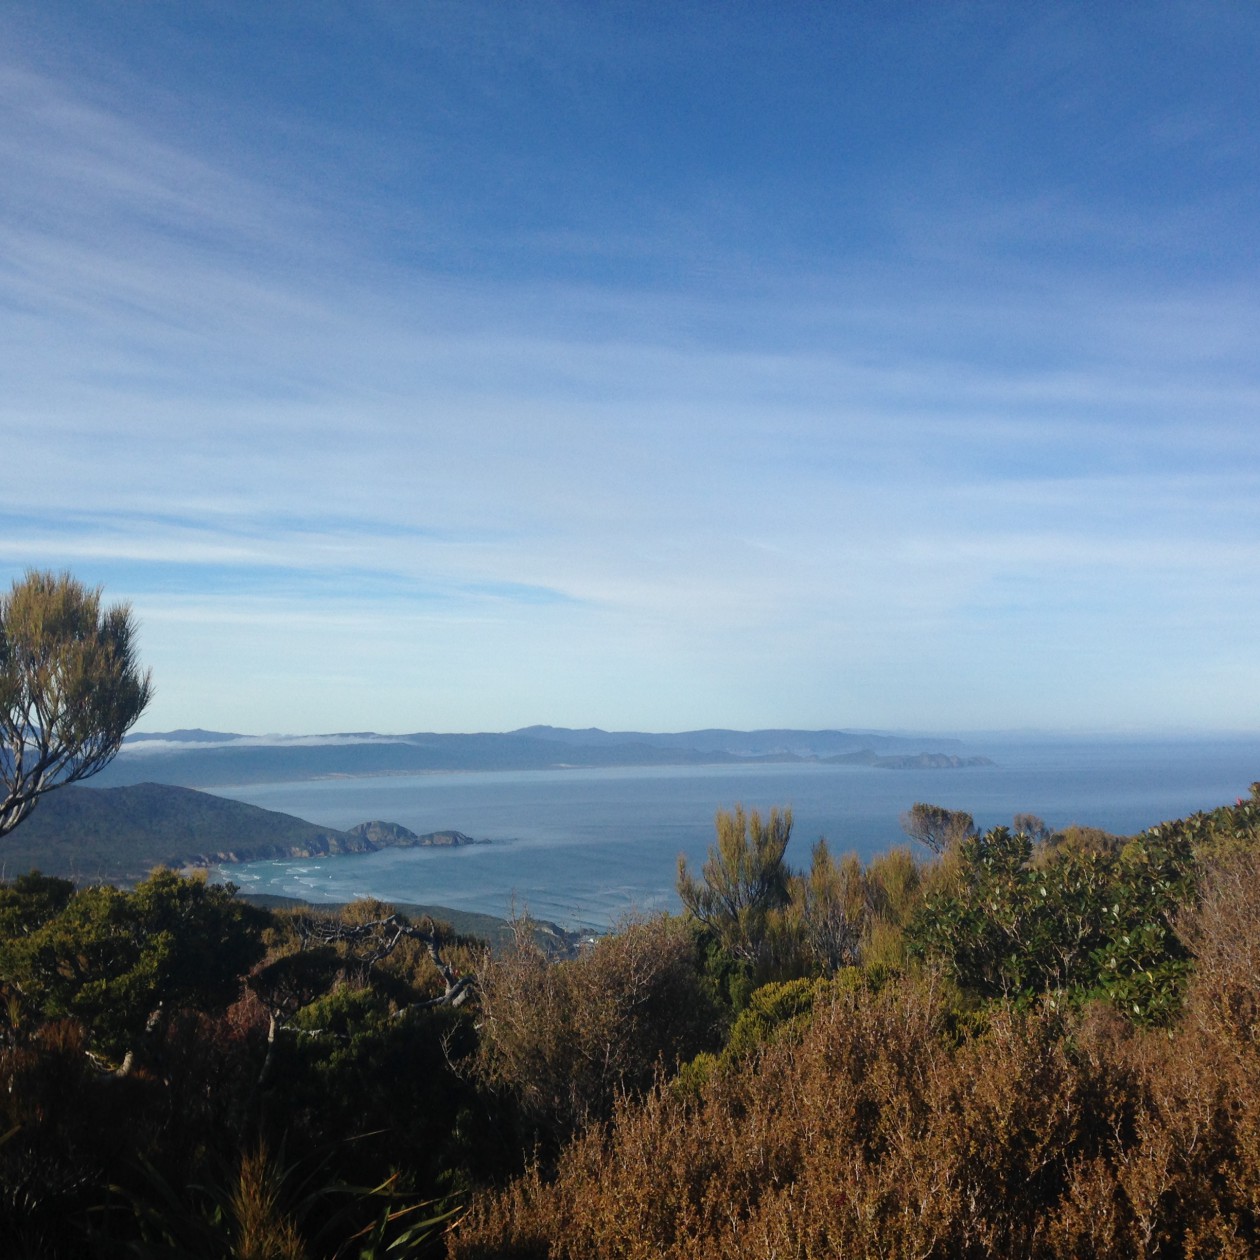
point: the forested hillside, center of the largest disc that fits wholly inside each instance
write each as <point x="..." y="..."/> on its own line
<point x="1019" y="1044"/>
<point x="120" y="834"/>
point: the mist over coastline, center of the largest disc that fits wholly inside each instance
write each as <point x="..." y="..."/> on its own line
<point x="586" y="845"/>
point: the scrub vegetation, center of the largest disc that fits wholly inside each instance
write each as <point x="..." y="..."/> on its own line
<point x="1015" y="1043"/>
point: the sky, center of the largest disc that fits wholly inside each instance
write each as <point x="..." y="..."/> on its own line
<point x="461" y="366"/>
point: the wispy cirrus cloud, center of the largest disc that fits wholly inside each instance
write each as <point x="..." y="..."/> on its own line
<point x="336" y="434"/>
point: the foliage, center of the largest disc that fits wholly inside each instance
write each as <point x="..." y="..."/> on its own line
<point x="827" y="912"/>
<point x="872" y="1132"/>
<point x="1031" y="826"/>
<point x="782" y="1009"/>
<point x="1223" y="934"/>
<point x="894" y="891"/>
<point x="564" y="1040"/>
<point x="29" y="901"/>
<point x="1081" y="923"/>
<point x="263" y="1207"/>
<point x="1221" y="832"/>
<point x="70" y="687"/>
<point x="937" y="828"/>
<point x="743" y="881"/>
<point x="1044" y="1046"/>
<point x="120" y="961"/>
<point x="158" y="970"/>
<point x="359" y="1042"/>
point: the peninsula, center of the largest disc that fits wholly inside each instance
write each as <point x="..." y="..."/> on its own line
<point x="113" y="834"/>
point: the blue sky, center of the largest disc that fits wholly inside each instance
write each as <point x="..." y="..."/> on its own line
<point x="461" y="366"/>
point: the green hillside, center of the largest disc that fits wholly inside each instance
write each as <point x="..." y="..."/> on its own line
<point x="120" y="834"/>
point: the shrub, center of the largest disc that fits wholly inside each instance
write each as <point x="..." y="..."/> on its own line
<point x="563" y="1040"/>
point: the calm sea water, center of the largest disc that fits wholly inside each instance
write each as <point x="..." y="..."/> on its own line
<point x="584" y="847"/>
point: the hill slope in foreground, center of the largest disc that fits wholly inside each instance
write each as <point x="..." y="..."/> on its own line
<point x="120" y="834"/>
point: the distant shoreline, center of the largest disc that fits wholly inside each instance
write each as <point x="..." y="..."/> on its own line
<point x="211" y="760"/>
<point x="861" y="760"/>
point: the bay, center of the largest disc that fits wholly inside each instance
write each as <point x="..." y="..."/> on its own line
<point x="584" y="847"/>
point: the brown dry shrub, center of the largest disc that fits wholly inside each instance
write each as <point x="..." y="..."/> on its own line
<point x="797" y="1142"/>
<point x="877" y="1133"/>
<point x="1223" y="933"/>
<point x="565" y="1039"/>
<point x="1172" y="1169"/>
<point x="1048" y="1136"/>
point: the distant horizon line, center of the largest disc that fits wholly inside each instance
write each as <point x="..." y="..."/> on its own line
<point x="205" y="735"/>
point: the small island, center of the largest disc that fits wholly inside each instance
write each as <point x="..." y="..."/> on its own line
<point x="906" y="761"/>
<point x="387" y="835"/>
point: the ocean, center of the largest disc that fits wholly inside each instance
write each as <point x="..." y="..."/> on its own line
<point x="585" y="847"/>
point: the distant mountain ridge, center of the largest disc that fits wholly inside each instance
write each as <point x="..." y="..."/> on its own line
<point x="121" y="833"/>
<point x="196" y="758"/>
<point x="772" y="741"/>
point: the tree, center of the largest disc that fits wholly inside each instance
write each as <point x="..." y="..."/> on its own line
<point x="1031" y="826"/>
<point x="70" y="687"/>
<point x="936" y="827"/>
<point x="828" y="912"/>
<point x="123" y="962"/>
<point x="743" y="879"/>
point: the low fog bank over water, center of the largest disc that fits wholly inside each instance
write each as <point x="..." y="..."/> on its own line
<point x="586" y="846"/>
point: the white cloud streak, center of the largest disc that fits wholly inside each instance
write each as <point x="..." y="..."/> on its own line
<point x="898" y="492"/>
